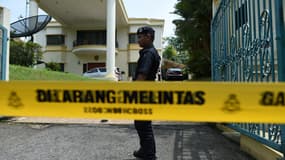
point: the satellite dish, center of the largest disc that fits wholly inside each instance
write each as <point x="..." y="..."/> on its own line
<point x="29" y="26"/>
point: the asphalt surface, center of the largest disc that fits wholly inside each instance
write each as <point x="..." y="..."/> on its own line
<point x="193" y="141"/>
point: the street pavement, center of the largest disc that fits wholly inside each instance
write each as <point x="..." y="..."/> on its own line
<point x="25" y="139"/>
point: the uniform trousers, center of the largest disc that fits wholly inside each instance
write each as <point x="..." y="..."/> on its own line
<point x="146" y="136"/>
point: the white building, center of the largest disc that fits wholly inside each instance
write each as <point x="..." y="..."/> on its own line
<point x="77" y="37"/>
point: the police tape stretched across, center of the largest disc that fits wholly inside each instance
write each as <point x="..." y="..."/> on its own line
<point x="121" y="96"/>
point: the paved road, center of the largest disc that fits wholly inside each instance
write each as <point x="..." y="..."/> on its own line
<point x="112" y="142"/>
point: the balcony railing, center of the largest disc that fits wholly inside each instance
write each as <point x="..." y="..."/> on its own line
<point x="89" y="42"/>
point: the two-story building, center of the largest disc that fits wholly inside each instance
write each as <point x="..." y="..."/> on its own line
<point x="77" y="38"/>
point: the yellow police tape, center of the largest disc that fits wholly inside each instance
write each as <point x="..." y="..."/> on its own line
<point x="171" y="101"/>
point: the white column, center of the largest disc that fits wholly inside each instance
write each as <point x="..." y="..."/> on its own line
<point x="33" y="8"/>
<point x="33" y="11"/>
<point x="111" y="38"/>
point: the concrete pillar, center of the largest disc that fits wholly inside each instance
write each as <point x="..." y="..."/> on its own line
<point x="33" y="8"/>
<point x="111" y="38"/>
<point x="32" y="23"/>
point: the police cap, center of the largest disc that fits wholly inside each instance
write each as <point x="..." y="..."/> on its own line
<point x="146" y="30"/>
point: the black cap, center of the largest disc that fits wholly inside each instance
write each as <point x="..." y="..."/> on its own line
<point x="146" y="30"/>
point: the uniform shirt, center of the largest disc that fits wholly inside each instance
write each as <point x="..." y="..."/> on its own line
<point x="148" y="63"/>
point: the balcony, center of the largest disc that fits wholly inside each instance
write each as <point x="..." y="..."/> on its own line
<point x="87" y="47"/>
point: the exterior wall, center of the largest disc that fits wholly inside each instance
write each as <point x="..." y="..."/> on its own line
<point x="5" y="17"/>
<point x="122" y="55"/>
<point x="122" y="37"/>
<point x="73" y="64"/>
<point x="122" y="63"/>
<point x="40" y="38"/>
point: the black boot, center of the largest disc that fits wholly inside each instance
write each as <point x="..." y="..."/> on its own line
<point x="139" y="154"/>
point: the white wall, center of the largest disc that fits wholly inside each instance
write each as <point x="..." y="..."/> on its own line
<point x="72" y="64"/>
<point x="53" y="57"/>
<point x="122" y="37"/>
<point x="70" y="37"/>
<point x="133" y="55"/>
<point x="40" y="38"/>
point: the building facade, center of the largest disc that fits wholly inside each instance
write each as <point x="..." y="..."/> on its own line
<point x="77" y="36"/>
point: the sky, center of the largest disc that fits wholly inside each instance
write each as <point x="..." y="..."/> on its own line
<point x="159" y="9"/>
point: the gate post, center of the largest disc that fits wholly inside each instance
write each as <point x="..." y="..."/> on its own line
<point x="3" y="54"/>
<point x="4" y="43"/>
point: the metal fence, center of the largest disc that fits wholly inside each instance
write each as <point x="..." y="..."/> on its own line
<point x="3" y="52"/>
<point x="247" y="38"/>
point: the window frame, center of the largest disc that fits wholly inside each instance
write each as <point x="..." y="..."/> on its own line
<point x="56" y="42"/>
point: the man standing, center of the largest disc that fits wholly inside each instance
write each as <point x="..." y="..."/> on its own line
<point x="147" y="68"/>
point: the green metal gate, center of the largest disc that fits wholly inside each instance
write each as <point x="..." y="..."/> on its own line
<point x="248" y="45"/>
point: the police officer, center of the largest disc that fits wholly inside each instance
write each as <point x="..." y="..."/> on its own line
<point x="147" y="68"/>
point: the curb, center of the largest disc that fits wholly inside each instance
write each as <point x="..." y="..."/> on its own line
<point x="5" y="118"/>
<point x="43" y="120"/>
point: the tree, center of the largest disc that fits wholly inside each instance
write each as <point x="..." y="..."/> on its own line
<point x="24" y="53"/>
<point x="182" y="54"/>
<point x="169" y="53"/>
<point x="175" y="42"/>
<point x="193" y="31"/>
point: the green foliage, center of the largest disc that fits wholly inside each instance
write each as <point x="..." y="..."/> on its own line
<point x="53" y="66"/>
<point x="175" y="42"/>
<point x="24" y="54"/>
<point x="169" y="53"/>
<point x="193" y="31"/>
<point x="175" y="45"/>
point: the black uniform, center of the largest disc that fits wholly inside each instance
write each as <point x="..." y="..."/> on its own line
<point x="148" y="65"/>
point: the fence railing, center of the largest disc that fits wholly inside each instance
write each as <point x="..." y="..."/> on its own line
<point x="3" y="52"/>
<point x="248" y="43"/>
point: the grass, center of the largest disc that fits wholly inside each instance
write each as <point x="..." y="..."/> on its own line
<point x="26" y="73"/>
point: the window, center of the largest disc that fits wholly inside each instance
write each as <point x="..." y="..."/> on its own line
<point x="91" y="37"/>
<point x="55" y="40"/>
<point x="133" y="38"/>
<point x="61" y="67"/>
